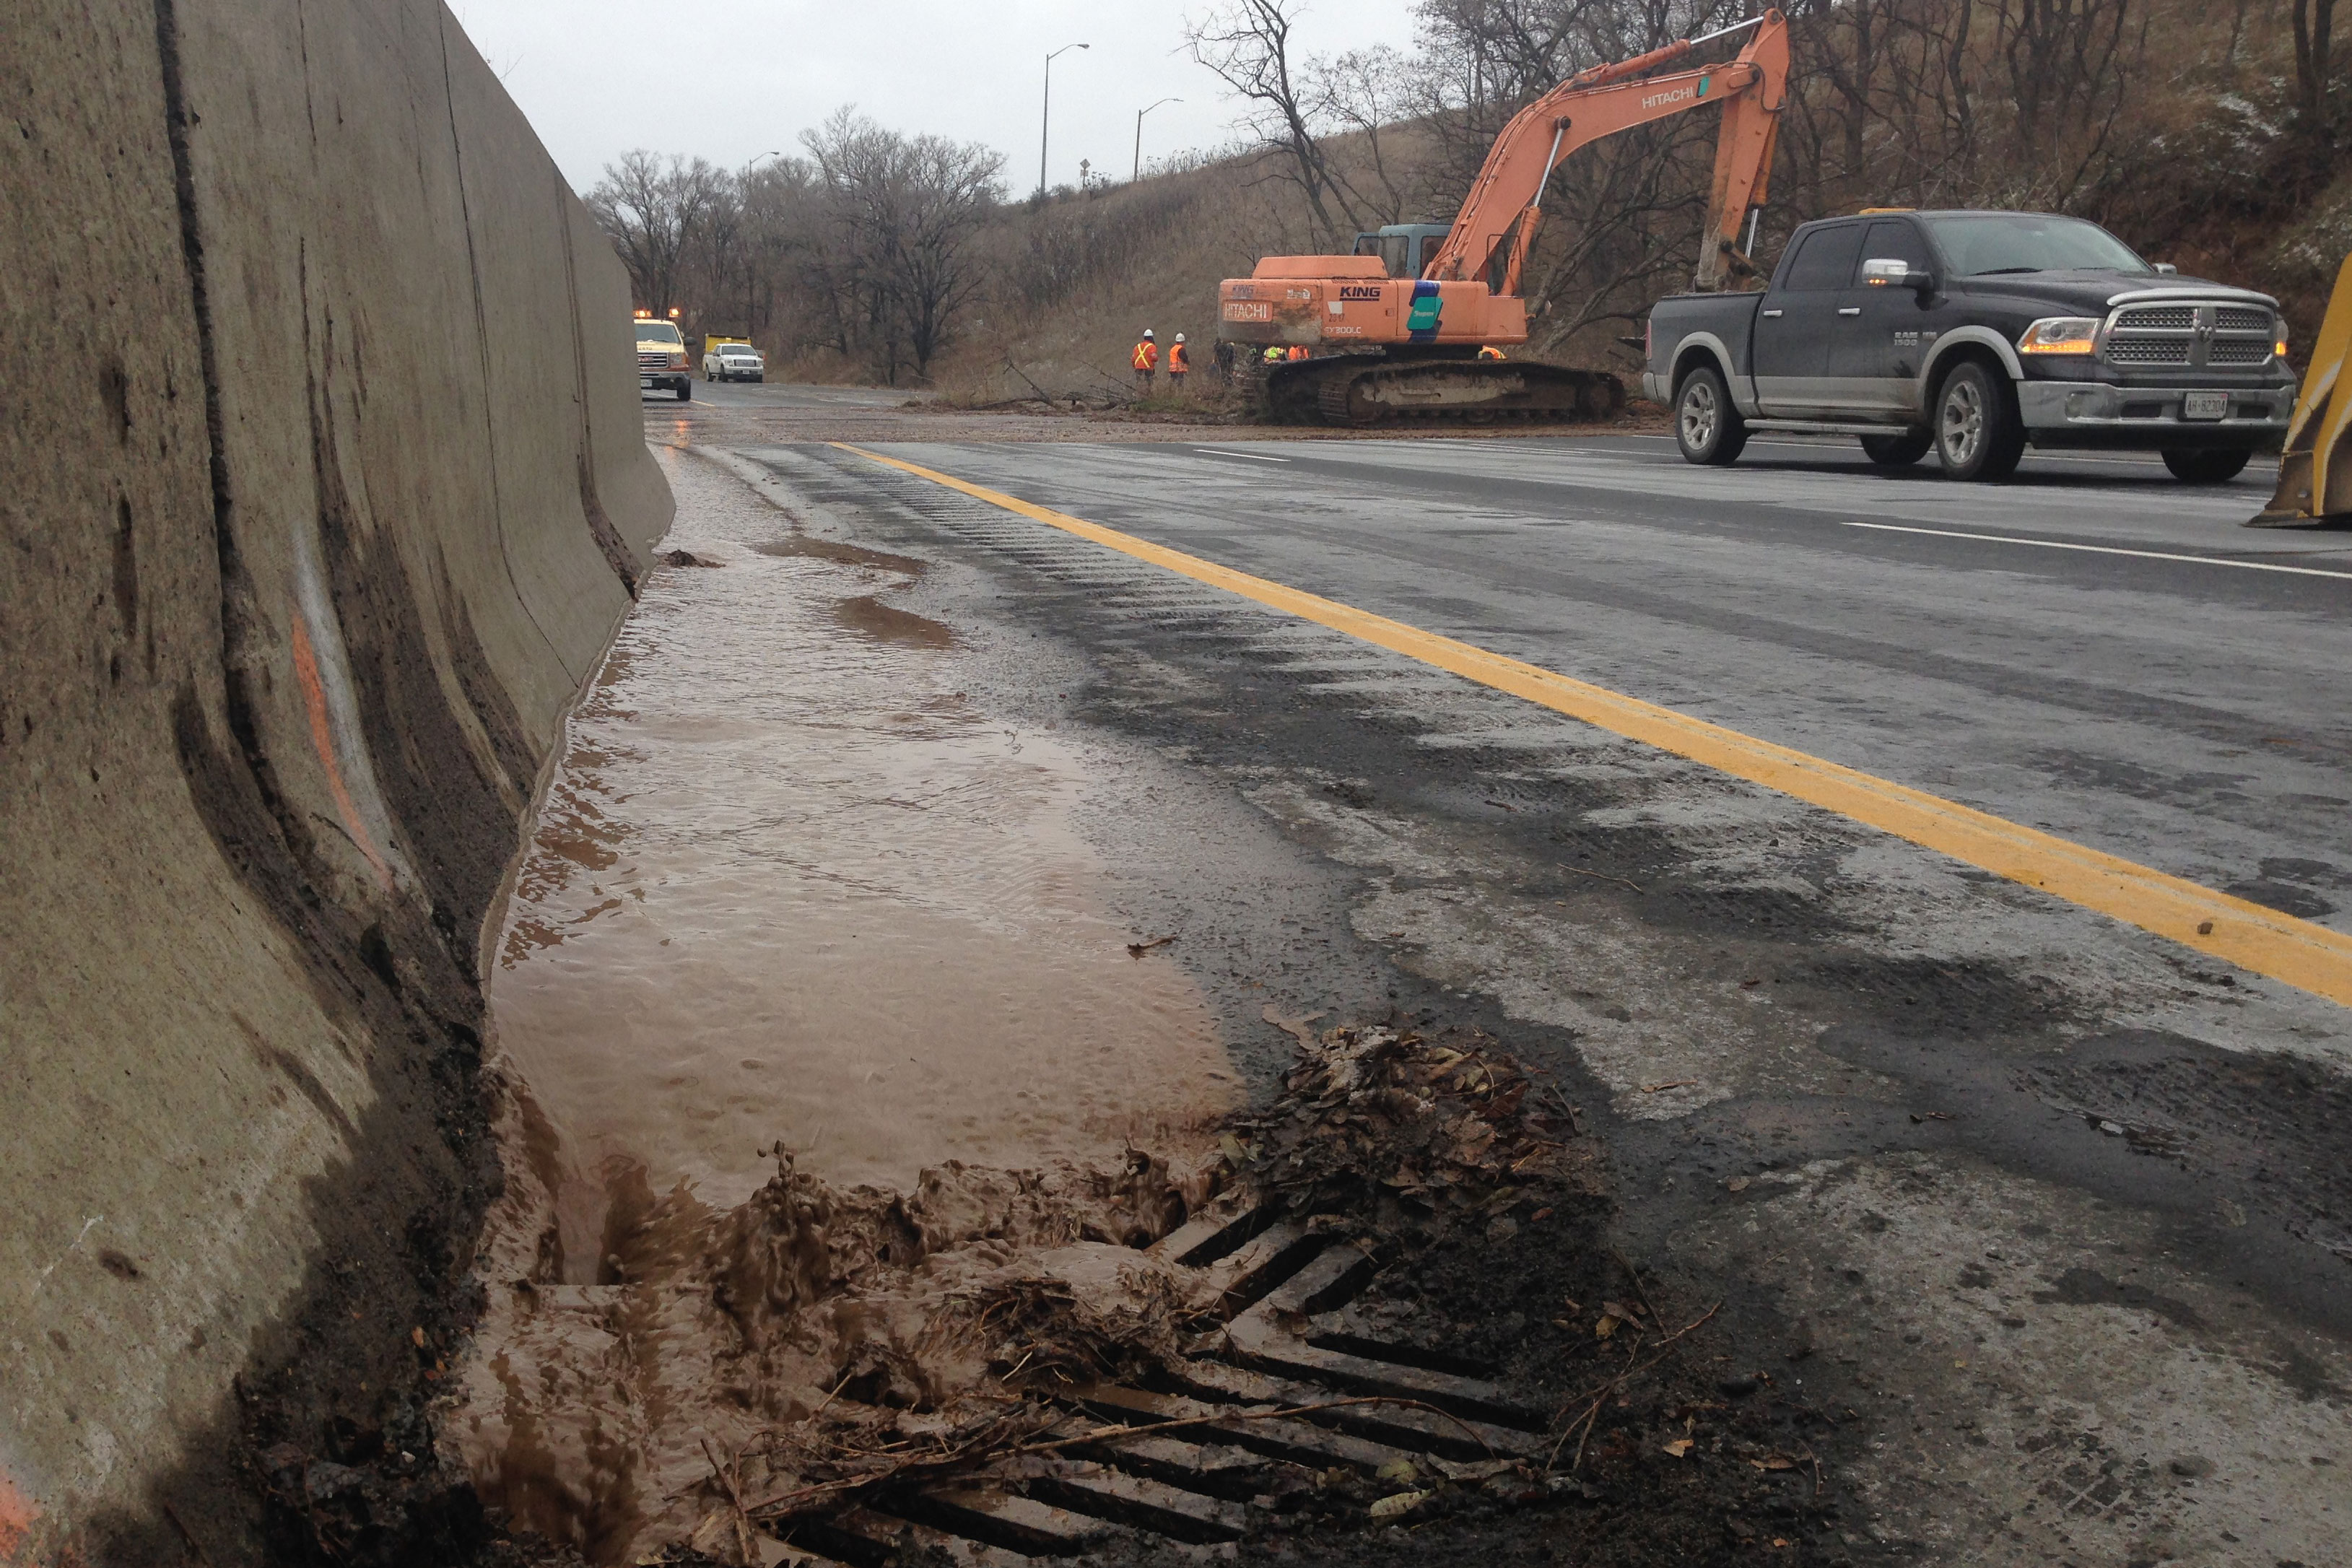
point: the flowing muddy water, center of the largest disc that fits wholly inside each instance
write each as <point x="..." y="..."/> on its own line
<point x="806" y="960"/>
<point x="789" y="884"/>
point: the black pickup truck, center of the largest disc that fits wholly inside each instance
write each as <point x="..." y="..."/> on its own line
<point x="1972" y="333"/>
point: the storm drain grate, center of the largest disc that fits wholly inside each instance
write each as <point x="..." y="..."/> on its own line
<point x="1289" y="1343"/>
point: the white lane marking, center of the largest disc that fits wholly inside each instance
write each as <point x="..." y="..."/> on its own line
<point x="1962" y="533"/>
<point x="1584" y="482"/>
<point x="2125" y="457"/>
<point x="2117" y="461"/>
<point x="2093" y="549"/>
<point x="2113" y="460"/>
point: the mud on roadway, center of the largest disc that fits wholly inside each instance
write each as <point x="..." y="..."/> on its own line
<point x="967" y="993"/>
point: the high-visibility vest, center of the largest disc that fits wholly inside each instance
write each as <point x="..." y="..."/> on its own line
<point x="1274" y="354"/>
<point x="1178" y="363"/>
<point x="1297" y="350"/>
<point x="1146" y="354"/>
<point x="1490" y="352"/>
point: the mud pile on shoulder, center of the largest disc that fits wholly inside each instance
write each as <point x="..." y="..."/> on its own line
<point x="1381" y="1301"/>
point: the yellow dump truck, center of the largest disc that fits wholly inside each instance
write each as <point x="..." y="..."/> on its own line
<point x="661" y="356"/>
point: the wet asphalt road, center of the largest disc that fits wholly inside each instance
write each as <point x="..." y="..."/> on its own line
<point x="2177" y="712"/>
<point x="2061" y="1210"/>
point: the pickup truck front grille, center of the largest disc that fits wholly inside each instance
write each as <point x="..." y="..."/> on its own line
<point x="2190" y="335"/>
<point x="2149" y="351"/>
<point x="653" y="362"/>
<point x="2158" y="319"/>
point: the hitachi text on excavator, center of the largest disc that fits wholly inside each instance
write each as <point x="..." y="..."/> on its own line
<point x="1397" y="326"/>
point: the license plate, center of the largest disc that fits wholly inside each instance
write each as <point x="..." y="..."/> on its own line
<point x="645" y="383"/>
<point x="2205" y="405"/>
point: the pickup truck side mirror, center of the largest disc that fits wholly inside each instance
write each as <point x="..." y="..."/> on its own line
<point x="2167" y="269"/>
<point x="1891" y="272"/>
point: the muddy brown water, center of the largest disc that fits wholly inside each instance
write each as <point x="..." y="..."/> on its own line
<point x="791" y="885"/>
<point x="789" y="890"/>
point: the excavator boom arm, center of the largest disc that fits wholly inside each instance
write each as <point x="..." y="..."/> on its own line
<point x="1501" y="210"/>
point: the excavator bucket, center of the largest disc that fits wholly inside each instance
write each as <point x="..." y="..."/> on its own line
<point x="2315" y="470"/>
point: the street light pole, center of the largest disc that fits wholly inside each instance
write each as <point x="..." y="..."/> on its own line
<point x="743" y="189"/>
<point x="1045" y="128"/>
<point x="1138" y="135"/>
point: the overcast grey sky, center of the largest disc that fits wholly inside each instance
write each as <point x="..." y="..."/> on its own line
<point x="731" y="79"/>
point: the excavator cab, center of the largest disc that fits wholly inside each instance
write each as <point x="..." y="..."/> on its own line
<point x="1405" y="250"/>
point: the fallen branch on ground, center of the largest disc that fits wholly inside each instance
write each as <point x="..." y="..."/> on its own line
<point x="1599" y="1396"/>
<point x="1033" y="386"/>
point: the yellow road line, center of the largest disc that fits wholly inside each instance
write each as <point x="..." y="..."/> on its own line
<point x="2260" y="940"/>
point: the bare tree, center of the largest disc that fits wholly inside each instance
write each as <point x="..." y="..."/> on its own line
<point x="892" y="254"/>
<point x="1368" y="94"/>
<point x="2314" y="25"/>
<point x="1247" y="43"/>
<point x="654" y="210"/>
<point x="2067" y="62"/>
<point x="948" y="189"/>
<point x="777" y="200"/>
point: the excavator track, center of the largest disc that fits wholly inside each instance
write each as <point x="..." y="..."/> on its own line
<point x="1363" y="392"/>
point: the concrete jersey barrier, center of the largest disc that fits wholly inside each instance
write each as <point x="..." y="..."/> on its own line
<point x="325" y="489"/>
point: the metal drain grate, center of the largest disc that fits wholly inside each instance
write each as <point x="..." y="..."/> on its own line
<point x="1285" y="1286"/>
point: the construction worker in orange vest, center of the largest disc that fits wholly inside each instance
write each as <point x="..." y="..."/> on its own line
<point x="1179" y="363"/>
<point x="1298" y="350"/>
<point x="1146" y="359"/>
<point x="1490" y="352"/>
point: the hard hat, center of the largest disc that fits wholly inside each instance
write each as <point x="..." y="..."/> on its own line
<point x="1146" y="331"/>
<point x="1180" y="337"/>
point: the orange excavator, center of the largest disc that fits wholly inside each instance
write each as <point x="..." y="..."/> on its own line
<point x="1397" y="327"/>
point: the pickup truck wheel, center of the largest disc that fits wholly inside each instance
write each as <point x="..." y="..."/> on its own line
<point x="2206" y="465"/>
<point x="1707" y="428"/>
<point x="685" y="390"/>
<point x="1978" y="433"/>
<point x="1898" y="451"/>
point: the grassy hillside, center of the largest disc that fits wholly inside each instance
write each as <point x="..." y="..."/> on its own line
<point x="1074" y="280"/>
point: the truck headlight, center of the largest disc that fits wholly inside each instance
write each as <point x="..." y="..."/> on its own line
<point x="2060" y="335"/>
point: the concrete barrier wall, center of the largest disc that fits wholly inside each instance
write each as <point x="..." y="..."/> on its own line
<point x="323" y="487"/>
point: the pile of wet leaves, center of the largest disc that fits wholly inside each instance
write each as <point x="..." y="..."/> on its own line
<point x="1398" y="1135"/>
<point x="1046" y="1338"/>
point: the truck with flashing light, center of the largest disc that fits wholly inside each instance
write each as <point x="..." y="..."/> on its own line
<point x="661" y="356"/>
